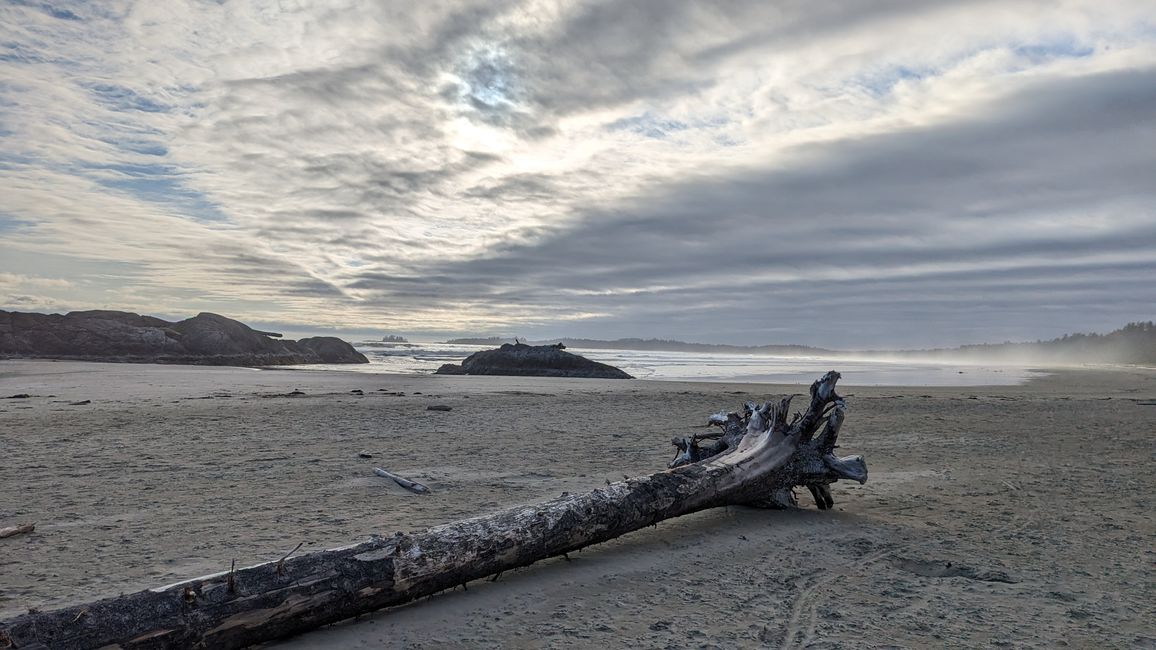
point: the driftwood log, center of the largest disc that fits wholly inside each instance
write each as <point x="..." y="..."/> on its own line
<point x="757" y="458"/>
<point x="412" y="486"/>
<point x="13" y="531"/>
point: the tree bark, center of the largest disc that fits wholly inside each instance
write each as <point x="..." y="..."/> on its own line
<point x="758" y="459"/>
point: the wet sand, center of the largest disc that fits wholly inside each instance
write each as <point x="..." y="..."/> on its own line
<point x="1010" y="516"/>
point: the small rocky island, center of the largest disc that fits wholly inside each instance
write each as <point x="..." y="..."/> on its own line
<point x="519" y="359"/>
<point x="205" y="339"/>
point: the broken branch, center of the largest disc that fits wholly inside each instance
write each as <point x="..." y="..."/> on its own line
<point x="412" y="486"/>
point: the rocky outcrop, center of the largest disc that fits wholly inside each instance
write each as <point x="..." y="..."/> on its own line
<point x="332" y="350"/>
<point x="524" y="360"/>
<point x="207" y="339"/>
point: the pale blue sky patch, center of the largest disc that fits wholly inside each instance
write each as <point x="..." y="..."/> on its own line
<point x="55" y="10"/>
<point x="145" y="148"/>
<point x="725" y="140"/>
<point x="1062" y="48"/>
<point x="121" y="98"/>
<point x="489" y="80"/>
<point x="488" y="87"/>
<point x="11" y="161"/>
<point x="9" y="223"/>
<point x="656" y="126"/>
<point x="883" y="82"/>
<point x="15" y="52"/>
<point x="649" y="125"/>
<point x="159" y="184"/>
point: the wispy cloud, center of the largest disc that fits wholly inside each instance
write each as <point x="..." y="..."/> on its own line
<point x="864" y="173"/>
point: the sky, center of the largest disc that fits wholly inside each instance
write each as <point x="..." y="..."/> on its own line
<point x="849" y="174"/>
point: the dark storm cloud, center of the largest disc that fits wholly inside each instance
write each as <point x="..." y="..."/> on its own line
<point x="906" y="219"/>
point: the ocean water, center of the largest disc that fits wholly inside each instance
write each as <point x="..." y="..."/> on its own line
<point x="425" y="358"/>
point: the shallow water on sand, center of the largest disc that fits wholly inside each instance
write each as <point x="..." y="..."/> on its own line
<point x="420" y="358"/>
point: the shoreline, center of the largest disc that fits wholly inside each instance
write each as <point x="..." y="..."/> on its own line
<point x="170" y="472"/>
<point x="928" y="375"/>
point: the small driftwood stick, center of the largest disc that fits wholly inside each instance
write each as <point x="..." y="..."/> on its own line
<point x="280" y="563"/>
<point x="12" y="531"/>
<point x="412" y="486"/>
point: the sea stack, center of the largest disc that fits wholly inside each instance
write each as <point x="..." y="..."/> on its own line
<point x="521" y="360"/>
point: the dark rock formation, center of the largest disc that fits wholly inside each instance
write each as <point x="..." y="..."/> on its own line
<point x="520" y="359"/>
<point x="207" y="339"/>
<point x="332" y="350"/>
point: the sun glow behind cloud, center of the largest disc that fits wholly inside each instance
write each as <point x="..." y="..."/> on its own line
<point x="678" y="169"/>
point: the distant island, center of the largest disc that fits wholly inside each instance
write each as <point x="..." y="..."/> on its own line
<point x="205" y="339"/>
<point x="1134" y="344"/>
<point x="664" y="345"/>
<point x="388" y="341"/>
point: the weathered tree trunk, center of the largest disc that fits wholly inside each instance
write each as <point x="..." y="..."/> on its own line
<point x="758" y="459"/>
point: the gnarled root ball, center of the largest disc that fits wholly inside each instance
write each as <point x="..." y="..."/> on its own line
<point x="809" y="437"/>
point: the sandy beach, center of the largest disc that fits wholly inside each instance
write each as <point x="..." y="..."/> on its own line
<point x="1011" y="516"/>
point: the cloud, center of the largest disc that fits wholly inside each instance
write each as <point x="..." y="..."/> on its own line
<point x="15" y="280"/>
<point x="910" y="218"/>
<point x="722" y="171"/>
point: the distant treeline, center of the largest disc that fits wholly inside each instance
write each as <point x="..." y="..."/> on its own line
<point x="1135" y="343"/>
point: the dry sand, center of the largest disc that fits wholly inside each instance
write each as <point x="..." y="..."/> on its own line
<point x="1014" y="516"/>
